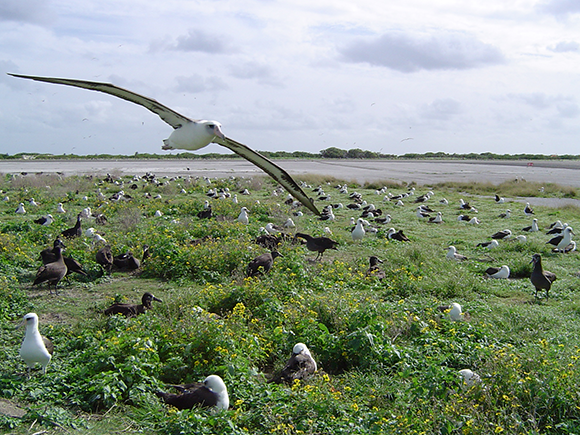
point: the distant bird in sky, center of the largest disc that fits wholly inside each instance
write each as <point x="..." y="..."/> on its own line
<point x="189" y="134"/>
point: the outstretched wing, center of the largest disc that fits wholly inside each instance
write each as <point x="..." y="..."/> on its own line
<point x="168" y="115"/>
<point x="273" y="170"/>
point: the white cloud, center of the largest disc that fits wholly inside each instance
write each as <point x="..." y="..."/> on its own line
<point x="26" y="11"/>
<point x="565" y="46"/>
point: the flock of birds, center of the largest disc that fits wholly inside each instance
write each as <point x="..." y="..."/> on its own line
<point x="195" y="134"/>
<point x="213" y="392"/>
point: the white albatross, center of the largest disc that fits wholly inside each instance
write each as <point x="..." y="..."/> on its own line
<point x="189" y="134"/>
<point x="35" y="348"/>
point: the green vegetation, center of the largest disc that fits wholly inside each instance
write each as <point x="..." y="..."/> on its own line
<point x="388" y="358"/>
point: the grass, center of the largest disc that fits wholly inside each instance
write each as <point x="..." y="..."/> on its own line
<point x="389" y="359"/>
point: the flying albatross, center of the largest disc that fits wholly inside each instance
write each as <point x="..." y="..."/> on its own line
<point x="189" y="134"/>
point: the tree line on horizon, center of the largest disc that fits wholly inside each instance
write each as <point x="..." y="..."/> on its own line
<point x="328" y="153"/>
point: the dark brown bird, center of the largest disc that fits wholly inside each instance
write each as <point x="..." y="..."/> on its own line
<point x="53" y="272"/>
<point x="374" y="268"/>
<point x="397" y="235"/>
<point x="501" y="234"/>
<point x="74" y="231"/>
<point x="268" y="241"/>
<point x="212" y="393"/>
<point x="104" y="257"/>
<point x="131" y="310"/>
<point x="49" y="255"/>
<point x="262" y="263"/>
<point x="318" y="244"/>
<point x="541" y="279"/>
<point x="206" y="213"/>
<point x="126" y="262"/>
<point x="299" y="366"/>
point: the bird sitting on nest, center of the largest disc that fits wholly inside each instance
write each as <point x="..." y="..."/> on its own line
<point x="131" y="310"/>
<point x="374" y="268"/>
<point x="452" y="254"/>
<point x="454" y="311"/>
<point x="299" y="366"/>
<point x="104" y="257"/>
<point x="212" y="393"/>
<point x="35" y="348"/>
<point x="502" y="272"/>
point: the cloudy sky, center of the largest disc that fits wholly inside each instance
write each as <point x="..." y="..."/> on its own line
<point x="389" y="76"/>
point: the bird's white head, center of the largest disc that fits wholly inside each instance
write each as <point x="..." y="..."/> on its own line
<point x="29" y="320"/>
<point x="217" y="385"/>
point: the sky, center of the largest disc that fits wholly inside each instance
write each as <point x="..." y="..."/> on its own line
<point x="454" y="76"/>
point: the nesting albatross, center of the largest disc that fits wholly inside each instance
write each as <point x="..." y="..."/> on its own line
<point x="189" y="134"/>
<point x="213" y="392"/>
<point x="299" y="366"/>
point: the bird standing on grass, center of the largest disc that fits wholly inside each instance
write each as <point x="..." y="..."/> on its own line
<point x="540" y="278"/>
<point x="262" y="263"/>
<point x="52" y="273"/>
<point x="35" y="348"/>
<point x="318" y="244"/>
<point x="358" y="232"/>
<point x="243" y="216"/>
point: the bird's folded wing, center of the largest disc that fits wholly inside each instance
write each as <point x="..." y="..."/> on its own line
<point x="276" y="172"/>
<point x="168" y="115"/>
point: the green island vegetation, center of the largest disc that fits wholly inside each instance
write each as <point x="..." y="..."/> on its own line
<point x="388" y="358"/>
<point x="328" y="153"/>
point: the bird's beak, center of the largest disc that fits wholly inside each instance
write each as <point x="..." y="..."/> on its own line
<point x="217" y="131"/>
<point x="21" y="324"/>
<point x="157" y="299"/>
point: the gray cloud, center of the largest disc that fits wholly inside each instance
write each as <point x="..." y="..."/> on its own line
<point x="197" y="84"/>
<point x="408" y="53"/>
<point x="26" y="11"/>
<point x="194" y="40"/>
<point x="566" y="106"/>
<point x="197" y="40"/>
<point x="559" y="7"/>
<point x="254" y="71"/>
<point x="440" y="109"/>
<point x="565" y="46"/>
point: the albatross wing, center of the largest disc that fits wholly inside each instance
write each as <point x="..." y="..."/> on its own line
<point x="177" y="121"/>
<point x="168" y="115"/>
<point x="273" y="170"/>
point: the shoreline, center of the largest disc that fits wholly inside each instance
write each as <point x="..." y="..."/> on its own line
<point x="421" y="172"/>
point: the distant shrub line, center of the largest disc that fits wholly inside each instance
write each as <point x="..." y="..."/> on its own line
<point x="328" y="153"/>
